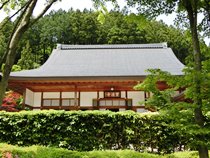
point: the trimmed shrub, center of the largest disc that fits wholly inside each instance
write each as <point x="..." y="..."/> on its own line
<point x="91" y="130"/>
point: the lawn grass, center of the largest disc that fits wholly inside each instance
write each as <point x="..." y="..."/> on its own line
<point x="48" y="152"/>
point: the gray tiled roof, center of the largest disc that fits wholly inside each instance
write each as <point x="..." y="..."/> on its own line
<point x="106" y="61"/>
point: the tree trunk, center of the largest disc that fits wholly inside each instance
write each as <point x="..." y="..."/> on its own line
<point x="21" y="26"/>
<point x="203" y="151"/>
<point x="12" y="46"/>
<point x="3" y="86"/>
<point x="191" y="7"/>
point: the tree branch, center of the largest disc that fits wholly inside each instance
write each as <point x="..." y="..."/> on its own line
<point x="3" y="58"/>
<point x="207" y="9"/>
<point x="24" y="6"/>
<point x="3" y="4"/>
<point x="43" y="12"/>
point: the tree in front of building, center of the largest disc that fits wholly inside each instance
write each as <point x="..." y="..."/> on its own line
<point x="24" y="20"/>
<point x="187" y="11"/>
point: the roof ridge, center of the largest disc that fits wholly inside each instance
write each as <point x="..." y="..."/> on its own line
<point x="113" y="46"/>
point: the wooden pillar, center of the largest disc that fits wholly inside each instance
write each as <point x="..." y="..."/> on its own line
<point x="75" y="97"/>
<point x="60" y="101"/>
<point x="79" y="99"/>
<point x="145" y="96"/>
<point x="126" y="94"/>
<point x="41" y="100"/>
<point x="98" y="101"/>
<point x="97" y="98"/>
<point x="126" y="100"/>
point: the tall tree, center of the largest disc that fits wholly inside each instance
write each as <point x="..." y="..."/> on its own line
<point x="5" y="32"/>
<point x="188" y="9"/>
<point x="23" y="22"/>
<point x="27" y="58"/>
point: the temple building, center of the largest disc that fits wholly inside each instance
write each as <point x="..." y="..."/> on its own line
<point x="94" y="77"/>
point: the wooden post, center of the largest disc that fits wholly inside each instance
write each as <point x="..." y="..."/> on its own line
<point x="126" y="100"/>
<point x="75" y="97"/>
<point x="41" y="100"/>
<point x="145" y="96"/>
<point x="79" y="99"/>
<point x="60" y="101"/>
<point x="97" y="107"/>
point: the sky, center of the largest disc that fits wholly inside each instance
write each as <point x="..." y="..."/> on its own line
<point x="88" y="4"/>
<point x="82" y="4"/>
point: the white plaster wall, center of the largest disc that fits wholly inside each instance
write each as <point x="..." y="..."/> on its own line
<point x="51" y="94"/>
<point x="121" y="109"/>
<point x="122" y="94"/>
<point x="29" y="99"/>
<point x="136" y="96"/>
<point x="68" y="94"/>
<point x="86" y="98"/>
<point x="101" y="94"/>
<point x="37" y="99"/>
<point x="141" y="110"/>
<point x="36" y="109"/>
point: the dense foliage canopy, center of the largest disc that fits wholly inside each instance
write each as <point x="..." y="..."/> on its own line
<point x="82" y="27"/>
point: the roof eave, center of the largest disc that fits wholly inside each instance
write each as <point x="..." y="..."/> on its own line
<point x="95" y="78"/>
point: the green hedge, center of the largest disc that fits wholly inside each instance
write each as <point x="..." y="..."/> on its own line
<point x="49" y="152"/>
<point x="90" y="130"/>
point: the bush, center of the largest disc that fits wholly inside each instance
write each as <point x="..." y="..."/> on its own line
<point x="12" y="102"/>
<point x="91" y="130"/>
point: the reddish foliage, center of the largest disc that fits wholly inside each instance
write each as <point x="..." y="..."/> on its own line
<point x="7" y="155"/>
<point x="12" y="102"/>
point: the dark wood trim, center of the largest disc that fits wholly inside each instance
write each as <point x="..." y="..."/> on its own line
<point x="112" y="98"/>
<point x="79" y="97"/>
<point x="134" y="108"/>
<point x="65" y="85"/>
<point x="145" y="96"/>
<point x="126" y="97"/>
<point x="42" y="100"/>
<point x="113" y="107"/>
<point x="98" y="96"/>
<point x="60" y="100"/>
<point x="62" y="107"/>
<point x="54" y="98"/>
<point x="75" y="97"/>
